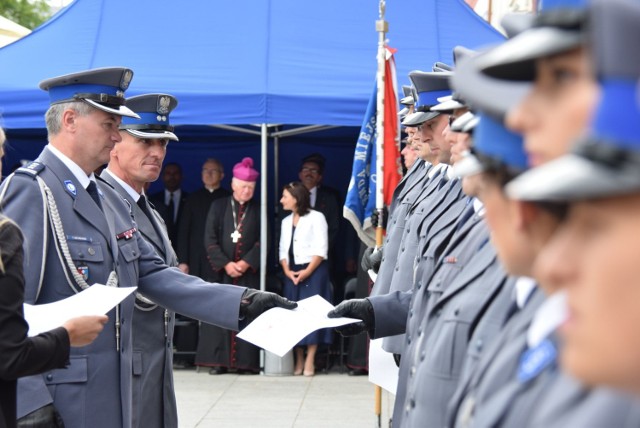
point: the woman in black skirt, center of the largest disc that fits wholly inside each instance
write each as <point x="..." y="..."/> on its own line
<point x="303" y="254"/>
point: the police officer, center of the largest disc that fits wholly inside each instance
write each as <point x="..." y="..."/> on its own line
<point x="135" y="161"/>
<point x="81" y="233"/>
<point x="516" y="381"/>
<point x="599" y="179"/>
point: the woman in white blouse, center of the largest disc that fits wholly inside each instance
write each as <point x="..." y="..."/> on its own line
<point x="303" y="251"/>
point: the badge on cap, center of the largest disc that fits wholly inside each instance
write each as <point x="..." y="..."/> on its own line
<point x="126" y="79"/>
<point x="163" y="104"/>
<point x="71" y="188"/>
<point x="535" y="360"/>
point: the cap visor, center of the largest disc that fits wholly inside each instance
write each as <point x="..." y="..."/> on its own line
<point x="572" y="178"/>
<point x="418" y="118"/>
<point x="514" y="59"/>
<point x="153" y="135"/>
<point x="120" y="111"/>
<point x="492" y="96"/>
<point x="449" y="105"/>
<point x="408" y="101"/>
<point x="468" y="166"/>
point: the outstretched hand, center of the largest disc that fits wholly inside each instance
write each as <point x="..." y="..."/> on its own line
<point x="355" y="308"/>
<point x="255" y="302"/>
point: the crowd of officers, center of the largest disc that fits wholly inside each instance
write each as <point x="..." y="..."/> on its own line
<point x="507" y="286"/>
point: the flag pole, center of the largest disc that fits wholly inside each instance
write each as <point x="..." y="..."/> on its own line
<point x="381" y="28"/>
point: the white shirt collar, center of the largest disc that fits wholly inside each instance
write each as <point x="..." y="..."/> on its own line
<point x="478" y="207"/>
<point x="176" y="196"/>
<point x="523" y="289"/>
<point x="77" y="172"/>
<point x="130" y="190"/>
<point x="435" y="169"/>
<point x="549" y="316"/>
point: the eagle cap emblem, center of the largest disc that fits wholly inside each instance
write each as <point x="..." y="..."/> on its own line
<point x="163" y="104"/>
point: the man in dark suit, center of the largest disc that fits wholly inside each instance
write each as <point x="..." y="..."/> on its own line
<point x="170" y="201"/>
<point x="134" y="161"/>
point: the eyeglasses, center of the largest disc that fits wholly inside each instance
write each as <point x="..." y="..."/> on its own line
<point x="311" y="170"/>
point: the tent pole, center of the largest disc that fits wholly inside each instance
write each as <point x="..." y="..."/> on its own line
<point x="263" y="207"/>
<point x="276" y="174"/>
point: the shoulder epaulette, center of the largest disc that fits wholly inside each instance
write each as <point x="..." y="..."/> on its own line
<point x="32" y="169"/>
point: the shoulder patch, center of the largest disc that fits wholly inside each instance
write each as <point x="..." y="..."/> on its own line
<point x="32" y="169"/>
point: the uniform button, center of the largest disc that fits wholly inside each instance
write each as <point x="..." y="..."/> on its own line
<point x="456" y="312"/>
<point x="419" y="285"/>
<point x="49" y="377"/>
<point x="412" y="403"/>
<point x="423" y="354"/>
<point x="439" y="312"/>
<point x="81" y="255"/>
<point x="396" y="268"/>
<point x="91" y="251"/>
<point x="479" y="345"/>
<point x="122" y="322"/>
<point x="410" y="312"/>
<point x="408" y="340"/>
<point x="134" y="253"/>
<point x="413" y="370"/>
<point x="402" y="249"/>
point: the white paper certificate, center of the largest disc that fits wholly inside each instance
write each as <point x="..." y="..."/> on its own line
<point x="278" y="330"/>
<point x="95" y="300"/>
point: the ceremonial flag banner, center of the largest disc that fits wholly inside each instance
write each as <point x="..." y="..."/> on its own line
<point x="360" y="201"/>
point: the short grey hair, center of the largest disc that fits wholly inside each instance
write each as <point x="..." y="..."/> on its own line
<point x="53" y="116"/>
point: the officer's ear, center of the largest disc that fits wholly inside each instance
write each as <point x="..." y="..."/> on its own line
<point x="69" y="118"/>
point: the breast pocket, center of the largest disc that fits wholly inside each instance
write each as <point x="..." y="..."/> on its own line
<point x="85" y="251"/>
<point x="130" y="252"/>
<point x="449" y="346"/>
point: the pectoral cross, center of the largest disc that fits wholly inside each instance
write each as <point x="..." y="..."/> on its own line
<point x="235" y="236"/>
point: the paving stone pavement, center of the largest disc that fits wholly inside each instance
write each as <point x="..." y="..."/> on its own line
<point x="332" y="400"/>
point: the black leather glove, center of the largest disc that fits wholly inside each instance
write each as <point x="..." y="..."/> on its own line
<point x="371" y="260"/>
<point x="375" y="217"/>
<point x="255" y="302"/>
<point x="44" y="417"/>
<point x="355" y="308"/>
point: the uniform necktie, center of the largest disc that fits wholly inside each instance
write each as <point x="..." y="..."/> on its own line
<point x="142" y="203"/>
<point x="171" y="207"/>
<point x="92" y="189"/>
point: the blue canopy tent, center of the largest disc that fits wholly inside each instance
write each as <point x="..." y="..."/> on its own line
<point x="286" y="65"/>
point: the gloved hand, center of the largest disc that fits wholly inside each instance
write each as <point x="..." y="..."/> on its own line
<point x="371" y="259"/>
<point x="375" y="217"/>
<point x="255" y="302"/>
<point x="355" y="308"/>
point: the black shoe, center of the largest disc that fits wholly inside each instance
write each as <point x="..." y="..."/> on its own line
<point x="357" y="372"/>
<point x="217" y="370"/>
<point x="246" y="371"/>
<point x="182" y="364"/>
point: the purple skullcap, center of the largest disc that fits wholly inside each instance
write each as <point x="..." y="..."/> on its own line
<point x="244" y="170"/>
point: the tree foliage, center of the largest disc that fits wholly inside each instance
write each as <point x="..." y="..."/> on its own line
<point x="28" y="13"/>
